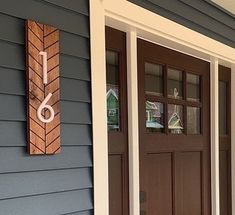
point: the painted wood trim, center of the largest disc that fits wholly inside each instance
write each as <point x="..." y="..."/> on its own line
<point x="203" y="16"/>
<point x="43" y="137"/>
<point x="162" y="31"/>
<point x="233" y="138"/>
<point x="133" y="121"/>
<point x="99" y="109"/>
<point x="214" y="82"/>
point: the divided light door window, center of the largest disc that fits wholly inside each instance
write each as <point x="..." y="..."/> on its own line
<point x="173" y="100"/>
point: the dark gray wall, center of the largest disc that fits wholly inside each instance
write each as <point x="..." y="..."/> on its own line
<point x="203" y="16"/>
<point x="46" y="185"/>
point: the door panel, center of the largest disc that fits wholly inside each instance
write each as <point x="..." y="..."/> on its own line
<point x="174" y="131"/>
<point x="224" y="183"/>
<point x="115" y="189"/>
<point x="160" y="184"/>
<point x="225" y="139"/>
<point x="188" y="183"/>
<point x="116" y="89"/>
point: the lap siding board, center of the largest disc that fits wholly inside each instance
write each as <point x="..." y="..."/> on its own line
<point x="59" y="184"/>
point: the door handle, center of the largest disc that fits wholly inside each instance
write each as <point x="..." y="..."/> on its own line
<point x="143" y="197"/>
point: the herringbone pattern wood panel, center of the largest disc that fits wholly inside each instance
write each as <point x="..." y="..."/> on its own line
<point x="43" y="138"/>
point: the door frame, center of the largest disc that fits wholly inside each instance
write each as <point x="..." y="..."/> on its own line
<point x="138" y="22"/>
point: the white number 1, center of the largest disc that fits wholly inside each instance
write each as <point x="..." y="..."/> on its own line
<point x="44" y="66"/>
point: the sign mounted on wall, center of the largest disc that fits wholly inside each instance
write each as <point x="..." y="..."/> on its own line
<point x="43" y="88"/>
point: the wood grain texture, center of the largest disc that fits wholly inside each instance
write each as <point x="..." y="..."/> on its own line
<point x="43" y="138"/>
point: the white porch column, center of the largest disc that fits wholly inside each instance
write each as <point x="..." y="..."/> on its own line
<point x="99" y="119"/>
<point x="214" y="81"/>
<point x="133" y="128"/>
<point x="233" y="136"/>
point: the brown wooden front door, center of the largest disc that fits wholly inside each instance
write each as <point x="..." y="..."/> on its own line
<point x="116" y="92"/>
<point x="174" y="129"/>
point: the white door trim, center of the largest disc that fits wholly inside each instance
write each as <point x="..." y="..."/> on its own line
<point x="214" y="100"/>
<point x="139" y="22"/>
<point x="133" y="121"/>
<point x="99" y="121"/>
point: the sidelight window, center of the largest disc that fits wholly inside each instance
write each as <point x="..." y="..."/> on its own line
<point x="112" y="88"/>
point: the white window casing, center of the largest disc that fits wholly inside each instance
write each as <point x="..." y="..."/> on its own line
<point x="214" y="89"/>
<point x="133" y="121"/>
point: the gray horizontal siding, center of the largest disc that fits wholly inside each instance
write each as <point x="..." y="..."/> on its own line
<point x="71" y="134"/>
<point x="14" y="78"/>
<point x="26" y="183"/>
<point x="201" y="15"/>
<point x="70" y="44"/>
<point x="81" y="213"/>
<point x="15" y="159"/>
<point x="48" y="13"/>
<point x="14" y="109"/>
<point x="71" y="89"/>
<point x="80" y="6"/>
<point x="60" y="184"/>
<point x="48" y="204"/>
<point x="83" y="73"/>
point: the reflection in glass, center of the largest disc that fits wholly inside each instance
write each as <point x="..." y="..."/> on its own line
<point x="175" y="118"/>
<point x="153" y="79"/>
<point x="112" y="87"/>
<point x="154" y="116"/>
<point x="193" y="120"/>
<point x="193" y="87"/>
<point x="222" y="108"/>
<point x="174" y="83"/>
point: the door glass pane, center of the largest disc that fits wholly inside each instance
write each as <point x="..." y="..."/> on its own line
<point x="193" y="120"/>
<point x="154" y="116"/>
<point x="175" y="118"/>
<point x="222" y="108"/>
<point x="153" y="79"/>
<point x="112" y="95"/>
<point x="193" y="87"/>
<point x="174" y="83"/>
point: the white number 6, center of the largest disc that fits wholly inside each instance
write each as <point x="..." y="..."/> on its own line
<point x="45" y="106"/>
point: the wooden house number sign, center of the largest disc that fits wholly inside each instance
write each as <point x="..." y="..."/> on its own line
<point x="43" y="89"/>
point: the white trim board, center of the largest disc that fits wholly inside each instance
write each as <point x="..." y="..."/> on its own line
<point x="228" y="5"/>
<point x="99" y="120"/>
<point x="122" y="14"/>
<point x="139" y="22"/>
